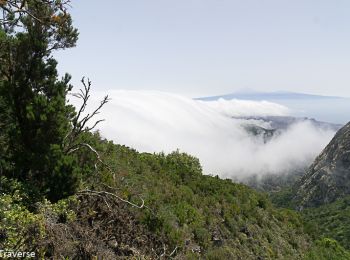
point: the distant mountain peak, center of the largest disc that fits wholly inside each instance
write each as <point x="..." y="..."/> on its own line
<point x="251" y="94"/>
<point x="246" y="90"/>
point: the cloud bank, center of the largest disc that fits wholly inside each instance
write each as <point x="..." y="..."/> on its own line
<point x="156" y="121"/>
<point x="235" y="108"/>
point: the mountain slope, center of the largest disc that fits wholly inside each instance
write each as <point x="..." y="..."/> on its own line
<point x="328" y="178"/>
<point x="185" y="215"/>
<point x="330" y="220"/>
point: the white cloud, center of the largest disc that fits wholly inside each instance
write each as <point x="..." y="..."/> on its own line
<point x="156" y="121"/>
<point x="237" y="107"/>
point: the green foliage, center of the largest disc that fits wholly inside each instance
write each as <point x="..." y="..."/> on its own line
<point x="19" y="228"/>
<point x="36" y="115"/>
<point x="283" y="198"/>
<point x="220" y="253"/>
<point x="327" y="249"/>
<point x="61" y="211"/>
<point x="181" y="165"/>
<point x="202" y="216"/>
<point x="192" y="210"/>
<point x="24" y="230"/>
<point x="330" y="220"/>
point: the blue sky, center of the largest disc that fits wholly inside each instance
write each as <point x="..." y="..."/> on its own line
<point x="210" y="47"/>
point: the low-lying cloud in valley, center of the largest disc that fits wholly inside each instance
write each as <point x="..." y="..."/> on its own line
<point x="155" y="121"/>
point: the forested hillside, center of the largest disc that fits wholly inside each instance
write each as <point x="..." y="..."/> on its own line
<point x="322" y="193"/>
<point x="329" y="176"/>
<point x="68" y="193"/>
<point x="154" y="205"/>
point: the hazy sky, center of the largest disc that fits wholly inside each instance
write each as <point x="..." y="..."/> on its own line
<point x="207" y="47"/>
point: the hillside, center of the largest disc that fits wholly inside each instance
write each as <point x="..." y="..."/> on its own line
<point x="322" y="193"/>
<point x="330" y="220"/>
<point x="185" y="215"/>
<point x="328" y="178"/>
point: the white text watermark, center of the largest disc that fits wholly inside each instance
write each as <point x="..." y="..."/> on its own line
<point x="16" y="254"/>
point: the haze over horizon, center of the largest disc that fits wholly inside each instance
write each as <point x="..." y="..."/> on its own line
<point x="330" y="109"/>
<point x="205" y="48"/>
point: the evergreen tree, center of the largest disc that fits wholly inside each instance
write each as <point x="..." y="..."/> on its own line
<point x="34" y="99"/>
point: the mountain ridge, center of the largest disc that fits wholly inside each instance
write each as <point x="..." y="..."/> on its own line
<point x="324" y="108"/>
<point x="259" y="95"/>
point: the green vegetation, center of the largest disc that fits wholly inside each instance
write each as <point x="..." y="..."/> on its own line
<point x="329" y="224"/>
<point x="184" y="210"/>
<point x="327" y="249"/>
<point x="67" y="193"/>
<point x="330" y="220"/>
<point x="195" y="211"/>
<point x="283" y="198"/>
<point x="33" y="99"/>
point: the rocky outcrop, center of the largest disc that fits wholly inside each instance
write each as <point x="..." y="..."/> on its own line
<point x="328" y="178"/>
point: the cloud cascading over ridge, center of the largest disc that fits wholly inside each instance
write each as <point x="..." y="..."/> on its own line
<point x="155" y="121"/>
<point x="235" y="108"/>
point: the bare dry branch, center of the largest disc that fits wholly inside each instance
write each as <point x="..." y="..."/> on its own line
<point x="105" y="193"/>
<point x="80" y="122"/>
<point x="168" y="255"/>
<point x="173" y="252"/>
